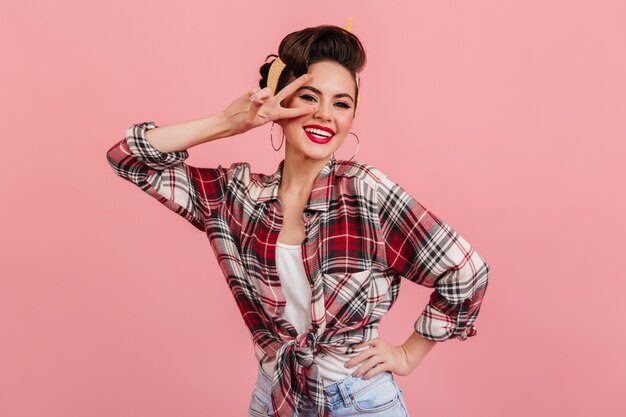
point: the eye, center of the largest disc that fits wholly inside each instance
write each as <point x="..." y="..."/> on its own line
<point x="308" y="97"/>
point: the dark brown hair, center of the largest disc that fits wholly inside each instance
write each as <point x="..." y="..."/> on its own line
<point x="305" y="47"/>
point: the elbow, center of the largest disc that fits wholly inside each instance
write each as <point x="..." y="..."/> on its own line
<point x="113" y="156"/>
<point x="117" y="157"/>
<point x="479" y="274"/>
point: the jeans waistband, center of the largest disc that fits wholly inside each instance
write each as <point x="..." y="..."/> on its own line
<point x="338" y="391"/>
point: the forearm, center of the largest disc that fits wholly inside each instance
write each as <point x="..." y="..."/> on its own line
<point x="416" y="347"/>
<point x="184" y="135"/>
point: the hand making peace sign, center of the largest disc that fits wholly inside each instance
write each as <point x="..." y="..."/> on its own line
<point x="258" y="106"/>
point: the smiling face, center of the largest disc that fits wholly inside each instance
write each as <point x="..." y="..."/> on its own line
<point x="331" y="92"/>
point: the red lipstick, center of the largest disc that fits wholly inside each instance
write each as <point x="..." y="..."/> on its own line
<point x="318" y="137"/>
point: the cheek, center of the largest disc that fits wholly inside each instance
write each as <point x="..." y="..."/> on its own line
<point x="346" y="117"/>
<point x="340" y="142"/>
<point x="293" y="128"/>
<point x="346" y="124"/>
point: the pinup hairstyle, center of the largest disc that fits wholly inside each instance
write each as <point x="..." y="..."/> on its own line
<point x="300" y="49"/>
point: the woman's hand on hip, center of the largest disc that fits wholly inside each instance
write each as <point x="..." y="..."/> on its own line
<point x="380" y="357"/>
<point x="258" y="106"/>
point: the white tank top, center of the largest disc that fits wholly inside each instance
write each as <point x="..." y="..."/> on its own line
<point x="297" y="290"/>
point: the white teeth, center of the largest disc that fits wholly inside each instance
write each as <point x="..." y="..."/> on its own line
<point x="318" y="132"/>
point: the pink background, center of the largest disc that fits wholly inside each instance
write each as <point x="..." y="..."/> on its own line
<point x="506" y="118"/>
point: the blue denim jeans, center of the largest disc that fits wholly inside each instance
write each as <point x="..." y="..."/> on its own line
<point x="351" y="396"/>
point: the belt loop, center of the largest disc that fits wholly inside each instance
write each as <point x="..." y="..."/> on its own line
<point x="344" y="394"/>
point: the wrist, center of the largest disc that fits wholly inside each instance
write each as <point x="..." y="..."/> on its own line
<point x="410" y="360"/>
<point x="405" y="355"/>
<point x="416" y="347"/>
<point x="219" y="127"/>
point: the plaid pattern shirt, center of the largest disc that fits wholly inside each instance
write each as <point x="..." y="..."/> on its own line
<point x="363" y="233"/>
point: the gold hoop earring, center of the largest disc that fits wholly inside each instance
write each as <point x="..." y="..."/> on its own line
<point x="272" y="138"/>
<point x="358" y="144"/>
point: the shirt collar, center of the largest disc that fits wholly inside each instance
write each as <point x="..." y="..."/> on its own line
<point x="320" y="193"/>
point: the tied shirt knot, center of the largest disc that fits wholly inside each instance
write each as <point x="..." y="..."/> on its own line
<point x="305" y="347"/>
<point x="296" y="376"/>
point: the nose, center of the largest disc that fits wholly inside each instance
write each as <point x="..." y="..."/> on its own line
<point x="322" y="112"/>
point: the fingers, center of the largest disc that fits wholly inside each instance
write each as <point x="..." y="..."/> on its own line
<point x="260" y="94"/>
<point x="371" y="342"/>
<point x="373" y="366"/>
<point x="287" y="113"/>
<point x="251" y="93"/>
<point x="254" y="90"/>
<point x="358" y="358"/>
<point x="292" y="86"/>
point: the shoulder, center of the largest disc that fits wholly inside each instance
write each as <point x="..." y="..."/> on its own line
<point x="361" y="172"/>
<point x="236" y="169"/>
<point x="371" y="178"/>
<point x="256" y="186"/>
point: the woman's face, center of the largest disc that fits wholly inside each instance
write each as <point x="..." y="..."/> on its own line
<point x="331" y="92"/>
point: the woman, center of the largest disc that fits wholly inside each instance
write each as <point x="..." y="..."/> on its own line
<point x="314" y="252"/>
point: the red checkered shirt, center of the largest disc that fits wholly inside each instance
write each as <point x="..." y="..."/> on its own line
<point x="363" y="234"/>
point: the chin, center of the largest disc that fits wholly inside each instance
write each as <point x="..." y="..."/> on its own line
<point x="314" y="151"/>
<point x="318" y="151"/>
<point x="317" y="157"/>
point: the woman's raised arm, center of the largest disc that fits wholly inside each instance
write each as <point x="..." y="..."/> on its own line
<point x="252" y="109"/>
<point x="152" y="157"/>
<point x="184" y="135"/>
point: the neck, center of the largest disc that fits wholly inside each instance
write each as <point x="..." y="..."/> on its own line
<point x="299" y="174"/>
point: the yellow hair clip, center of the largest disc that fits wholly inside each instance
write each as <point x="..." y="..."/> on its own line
<point x="275" y="69"/>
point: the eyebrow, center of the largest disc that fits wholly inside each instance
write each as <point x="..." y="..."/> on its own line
<point x="315" y="90"/>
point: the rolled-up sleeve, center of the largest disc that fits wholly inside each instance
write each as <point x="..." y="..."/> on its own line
<point x="421" y="247"/>
<point x="191" y="192"/>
